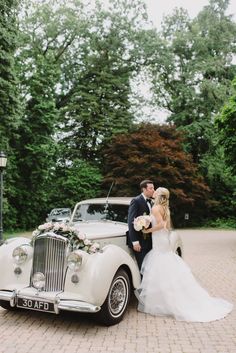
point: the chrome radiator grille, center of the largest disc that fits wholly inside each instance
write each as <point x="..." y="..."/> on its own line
<point x="49" y="258"/>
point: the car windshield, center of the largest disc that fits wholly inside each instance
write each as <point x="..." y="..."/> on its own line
<point x="98" y="212"/>
<point x="60" y="212"/>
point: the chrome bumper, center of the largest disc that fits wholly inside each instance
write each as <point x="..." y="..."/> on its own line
<point x="79" y="306"/>
<point x="59" y="304"/>
<point x="9" y="297"/>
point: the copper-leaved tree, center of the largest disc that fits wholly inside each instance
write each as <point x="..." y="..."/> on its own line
<point x="155" y="152"/>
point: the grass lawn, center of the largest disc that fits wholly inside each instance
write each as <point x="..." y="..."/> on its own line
<point x="18" y="233"/>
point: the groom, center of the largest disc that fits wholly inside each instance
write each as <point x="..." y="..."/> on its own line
<point x="139" y="206"/>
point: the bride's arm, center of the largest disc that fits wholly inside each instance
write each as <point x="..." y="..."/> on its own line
<point x="161" y="224"/>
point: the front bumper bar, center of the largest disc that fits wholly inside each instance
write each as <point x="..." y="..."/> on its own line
<point x="9" y="297"/>
<point x="59" y="304"/>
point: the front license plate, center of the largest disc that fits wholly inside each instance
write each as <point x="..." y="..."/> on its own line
<point x="35" y="305"/>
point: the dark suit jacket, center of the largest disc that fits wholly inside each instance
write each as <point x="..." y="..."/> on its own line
<point x="138" y="207"/>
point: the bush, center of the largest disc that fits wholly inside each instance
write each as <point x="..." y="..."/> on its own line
<point x="223" y="223"/>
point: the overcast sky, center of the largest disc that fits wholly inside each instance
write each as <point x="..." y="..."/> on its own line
<point x="158" y="8"/>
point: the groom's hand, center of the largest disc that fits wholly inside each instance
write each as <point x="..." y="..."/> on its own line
<point x="137" y="247"/>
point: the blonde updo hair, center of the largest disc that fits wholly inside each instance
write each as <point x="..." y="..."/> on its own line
<point x="161" y="196"/>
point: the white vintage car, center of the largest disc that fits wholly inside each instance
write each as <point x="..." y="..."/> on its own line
<point x="61" y="269"/>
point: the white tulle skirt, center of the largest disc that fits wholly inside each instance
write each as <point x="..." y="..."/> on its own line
<point x="169" y="288"/>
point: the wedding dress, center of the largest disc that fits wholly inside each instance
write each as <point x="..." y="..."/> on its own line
<point x="169" y="288"/>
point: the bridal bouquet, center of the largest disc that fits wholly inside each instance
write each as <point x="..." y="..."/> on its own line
<point x="142" y="222"/>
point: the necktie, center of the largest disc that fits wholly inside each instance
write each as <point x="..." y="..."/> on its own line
<point x="149" y="204"/>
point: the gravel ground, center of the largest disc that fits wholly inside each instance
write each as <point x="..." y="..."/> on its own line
<point x="212" y="257"/>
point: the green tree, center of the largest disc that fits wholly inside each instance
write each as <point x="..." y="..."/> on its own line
<point x="155" y="152"/>
<point x="97" y="104"/>
<point x="9" y="103"/>
<point x="79" y="181"/>
<point x="222" y="182"/>
<point x="192" y="71"/>
<point x="39" y="72"/>
<point x="74" y="69"/>
<point x="10" y="110"/>
<point x="36" y="147"/>
<point x="226" y="122"/>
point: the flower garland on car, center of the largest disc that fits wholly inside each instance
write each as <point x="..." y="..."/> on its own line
<point x="77" y="239"/>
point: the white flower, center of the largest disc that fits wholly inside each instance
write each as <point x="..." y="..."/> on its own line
<point x="45" y="226"/>
<point x="74" y="229"/>
<point x="77" y="239"/>
<point x="65" y="228"/>
<point x="56" y="226"/>
<point x="142" y="222"/>
<point x="35" y="233"/>
<point x="94" y="247"/>
<point x="81" y="236"/>
<point x="87" y="242"/>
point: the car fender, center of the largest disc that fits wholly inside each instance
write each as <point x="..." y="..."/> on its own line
<point x="8" y="279"/>
<point x="96" y="274"/>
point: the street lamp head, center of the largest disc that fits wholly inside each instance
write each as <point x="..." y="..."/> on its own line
<point x="3" y="160"/>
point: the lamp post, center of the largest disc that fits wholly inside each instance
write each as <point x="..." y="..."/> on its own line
<point x="3" y="163"/>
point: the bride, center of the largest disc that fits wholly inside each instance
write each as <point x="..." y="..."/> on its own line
<point x="168" y="286"/>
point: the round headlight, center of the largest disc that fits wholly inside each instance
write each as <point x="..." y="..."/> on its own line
<point x="74" y="261"/>
<point x="38" y="280"/>
<point x="21" y="254"/>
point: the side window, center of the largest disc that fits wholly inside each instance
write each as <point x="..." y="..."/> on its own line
<point x="89" y="212"/>
<point x="117" y="213"/>
<point x="66" y="212"/>
<point x="80" y="213"/>
<point x="98" y="212"/>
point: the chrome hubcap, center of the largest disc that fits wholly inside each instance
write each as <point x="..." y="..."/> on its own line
<point x="118" y="296"/>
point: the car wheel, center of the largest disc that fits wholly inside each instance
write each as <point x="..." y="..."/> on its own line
<point x="6" y="305"/>
<point x="115" y="305"/>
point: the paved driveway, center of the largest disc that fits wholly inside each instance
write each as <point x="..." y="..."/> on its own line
<point x="212" y="257"/>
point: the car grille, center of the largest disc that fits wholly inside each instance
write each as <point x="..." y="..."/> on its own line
<point x="50" y="259"/>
